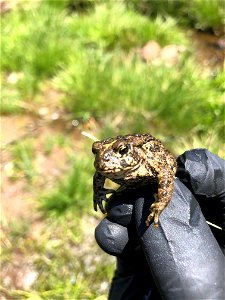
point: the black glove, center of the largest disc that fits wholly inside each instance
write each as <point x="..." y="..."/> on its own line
<point x="181" y="259"/>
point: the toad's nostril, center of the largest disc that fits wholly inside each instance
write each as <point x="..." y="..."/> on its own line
<point x="123" y="163"/>
<point x="107" y="156"/>
<point x="96" y="147"/>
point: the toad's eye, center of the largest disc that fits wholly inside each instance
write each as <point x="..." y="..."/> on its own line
<point x="123" y="149"/>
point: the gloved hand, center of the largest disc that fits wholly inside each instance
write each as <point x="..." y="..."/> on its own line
<point x="182" y="259"/>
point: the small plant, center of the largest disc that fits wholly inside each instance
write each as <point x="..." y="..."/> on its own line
<point x="76" y="6"/>
<point x="201" y="14"/>
<point x="53" y="141"/>
<point x="34" y="42"/>
<point x="206" y="14"/>
<point x="10" y="101"/>
<point x="23" y="159"/>
<point x="10" y="96"/>
<point x="74" y="192"/>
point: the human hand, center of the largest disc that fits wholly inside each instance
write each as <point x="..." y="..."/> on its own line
<point x="182" y="257"/>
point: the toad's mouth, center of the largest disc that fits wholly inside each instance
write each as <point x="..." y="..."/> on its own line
<point x="117" y="171"/>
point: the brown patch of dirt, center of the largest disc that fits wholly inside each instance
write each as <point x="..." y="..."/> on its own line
<point x="14" y="128"/>
<point x="17" y="194"/>
<point x="209" y="49"/>
<point x="16" y="200"/>
<point x="20" y="273"/>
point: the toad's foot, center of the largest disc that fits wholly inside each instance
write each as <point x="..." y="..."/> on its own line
<point x="156" y="209"/>
<point x="100" y="197"/>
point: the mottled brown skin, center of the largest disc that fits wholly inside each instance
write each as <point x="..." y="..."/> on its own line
<point x="134" y="160"/>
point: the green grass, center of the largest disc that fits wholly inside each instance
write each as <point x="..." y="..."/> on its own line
<point x="51" y="36"/>
<point x="41" y="33"/>
<point x="23" y="159"/>
<point x="206" y="14"/>
<point x="67" y="265"/>
<point x="34" y="42"/>
<point x="10" y="101"/>
<point x="72" y="6"/>
<point x="74" y="192"/>
<point x="141" y="92"/>
<point x="218" y="81"/>
<point x="52" y="142"/>
<point x="201" y="14"/>
<point x="10" y="96"/>
<point x="112" y="26"/>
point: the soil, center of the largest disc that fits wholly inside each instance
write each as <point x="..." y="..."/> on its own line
<point x="209" y="49"/>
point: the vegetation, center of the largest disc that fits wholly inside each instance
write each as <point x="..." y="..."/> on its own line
<point x="104" y="29"/>
<point x="87" y="54"/>
<point x="73" y="192"/>
<point x="133" y="87"/>
<point x="23" y="158"/>
<point x="201" y="14"/>
<point x="62" y="271"/>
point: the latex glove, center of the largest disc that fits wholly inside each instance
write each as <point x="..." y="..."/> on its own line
<point x="182" y="258"/>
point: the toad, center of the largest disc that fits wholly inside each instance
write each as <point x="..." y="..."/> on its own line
<point x="133" y="160"/>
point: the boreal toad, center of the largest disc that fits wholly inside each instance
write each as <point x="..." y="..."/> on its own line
<point x="133" y="160"/>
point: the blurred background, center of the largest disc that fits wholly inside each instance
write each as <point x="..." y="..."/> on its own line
<point x="106" y="68"/>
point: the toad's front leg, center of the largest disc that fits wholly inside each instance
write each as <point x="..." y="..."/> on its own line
<point x="165" y="192"/>
<point x="100" y="192"/>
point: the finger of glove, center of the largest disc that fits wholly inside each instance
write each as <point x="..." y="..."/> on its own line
<point x="184" y="257"/>
<point x="118" y="238"/>
<point x="119" y="208"/>
<point x="133" y="282"/>
<point x="111" y="237"/>
<point x="204" y="174"/>
<point x="113" y="232"/>
<point x="132" y="278"/>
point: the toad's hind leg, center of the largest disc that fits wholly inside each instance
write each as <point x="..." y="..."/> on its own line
<point x="165" y="192"/>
